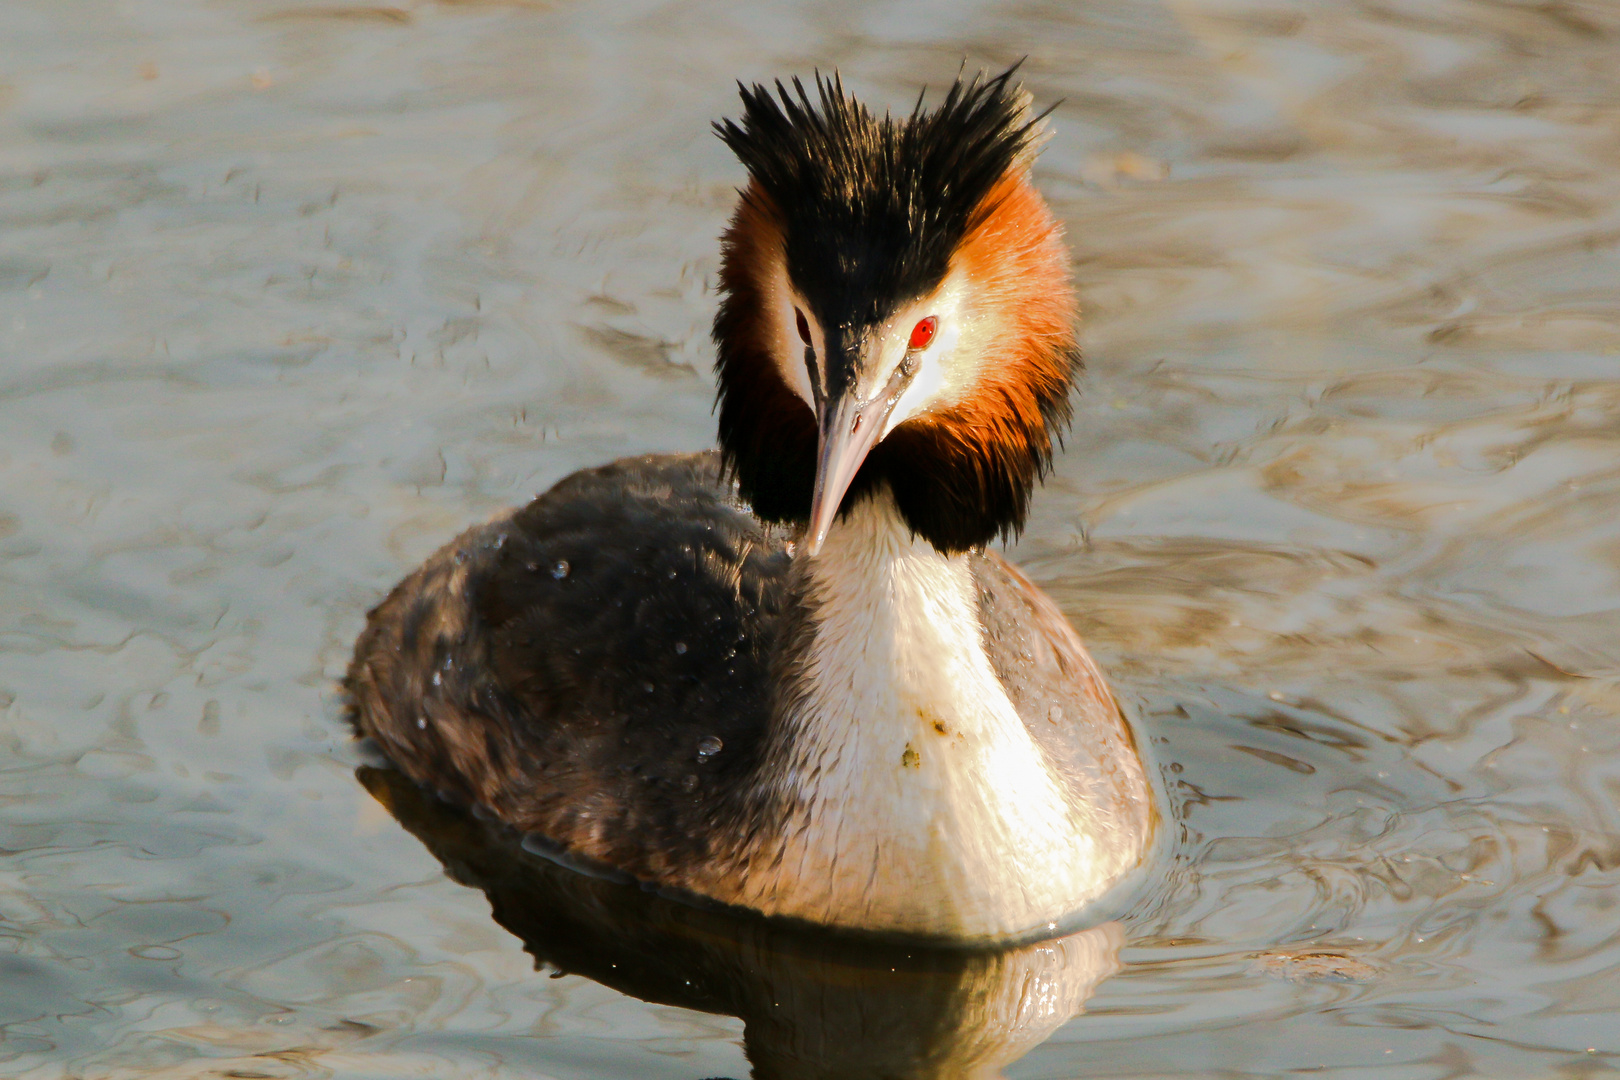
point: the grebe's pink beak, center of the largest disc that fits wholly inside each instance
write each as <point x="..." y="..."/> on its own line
<point x="849" y="429"/>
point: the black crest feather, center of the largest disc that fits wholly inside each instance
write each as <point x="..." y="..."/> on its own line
<point x="871" y="209"/>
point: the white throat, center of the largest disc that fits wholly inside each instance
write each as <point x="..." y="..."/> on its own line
<point x="918" y="802"/>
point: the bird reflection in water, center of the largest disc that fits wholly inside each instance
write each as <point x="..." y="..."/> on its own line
<point x="814" y="1004"/>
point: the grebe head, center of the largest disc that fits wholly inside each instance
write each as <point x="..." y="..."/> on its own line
<point x="896" y="311"/>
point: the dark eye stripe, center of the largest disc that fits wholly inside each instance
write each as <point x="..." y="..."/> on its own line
<point x="817" y="392"/>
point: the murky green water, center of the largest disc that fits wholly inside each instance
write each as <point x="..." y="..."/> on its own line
<point x="291" y="292"/>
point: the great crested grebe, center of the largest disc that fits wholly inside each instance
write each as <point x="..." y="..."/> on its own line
<point x="790" y="676"/>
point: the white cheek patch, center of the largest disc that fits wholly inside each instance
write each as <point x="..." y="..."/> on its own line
<point x="790" y="353"/>
<point x="944" y="367"/>
<point x="787" y="350"/>
<point x="929" y="386"/>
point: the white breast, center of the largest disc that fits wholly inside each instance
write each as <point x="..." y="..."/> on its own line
<point x="923" y="805"/>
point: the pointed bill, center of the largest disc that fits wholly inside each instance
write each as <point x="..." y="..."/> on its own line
<point x="849" y="429"/>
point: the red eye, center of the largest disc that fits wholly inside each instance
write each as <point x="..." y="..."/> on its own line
<point x="923" y="332"/>
<point x="804" y="327"/>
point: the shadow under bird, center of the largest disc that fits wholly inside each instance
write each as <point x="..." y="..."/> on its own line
<point x="791" y="676"/>
<point x="815" y="1005"/>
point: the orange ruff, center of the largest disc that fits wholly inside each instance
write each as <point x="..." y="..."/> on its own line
<point x="1013" y="257"/>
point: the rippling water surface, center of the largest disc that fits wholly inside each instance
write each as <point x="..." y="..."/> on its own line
<point x="290" y="292"/>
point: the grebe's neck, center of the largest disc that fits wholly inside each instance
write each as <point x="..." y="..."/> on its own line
<point x="900" y="788"/>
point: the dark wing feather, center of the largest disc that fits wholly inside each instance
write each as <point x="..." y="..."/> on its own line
<point x="563" y="666"/>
